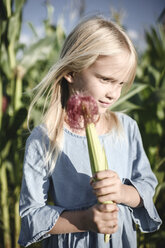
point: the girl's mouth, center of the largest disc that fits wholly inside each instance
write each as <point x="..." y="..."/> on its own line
<point x="105" y="104"/>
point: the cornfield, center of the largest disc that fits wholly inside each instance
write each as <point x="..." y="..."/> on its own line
<point x="22" y="67"/>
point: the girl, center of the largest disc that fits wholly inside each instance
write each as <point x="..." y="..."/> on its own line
<point x="99" y="59"/>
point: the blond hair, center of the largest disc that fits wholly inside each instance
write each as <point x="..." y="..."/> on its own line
<point x="90" y="39"/>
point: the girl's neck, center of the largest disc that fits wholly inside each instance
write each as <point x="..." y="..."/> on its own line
<point x="103" y="125"/>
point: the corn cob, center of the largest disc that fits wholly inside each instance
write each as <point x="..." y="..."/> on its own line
<point x="97" y="157"/>
<point x="82" y="111"/>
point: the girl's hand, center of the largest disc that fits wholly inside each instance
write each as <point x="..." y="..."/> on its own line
<point x="101" y="218"/>
<point x="107" y="186"/>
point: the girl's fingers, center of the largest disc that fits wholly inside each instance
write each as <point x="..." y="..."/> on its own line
<point x="91" y="180"/>
<point x="109" y="221"/>
<point x="110" y="189"/>
<point x="107" y="187"/>
<point x="103" y="178"/>
<point x="107" y="227"/>
<point x="103" y="218"/>
<point x="112" y="207"/>
<point x="103" y="183"/>
<point x="104" y="174"/>
<point x="112" y="229"/>
<point x="106" y="198"/>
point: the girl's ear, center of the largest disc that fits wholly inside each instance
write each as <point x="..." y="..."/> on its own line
<point x="69" y="77"/>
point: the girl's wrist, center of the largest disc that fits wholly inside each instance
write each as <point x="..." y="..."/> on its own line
<point x="124" y="197"/>
<point x="130" y="196"/>
<point x="80" y="220"/>
<point x="84" y="218"/>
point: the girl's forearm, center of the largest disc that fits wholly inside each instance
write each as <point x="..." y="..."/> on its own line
<point x="100" y="218"/>
<point x="69" y="222"/>
<point x="130" y="196"/>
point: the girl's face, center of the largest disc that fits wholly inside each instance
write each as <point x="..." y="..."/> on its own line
<point x="103" y="80"/>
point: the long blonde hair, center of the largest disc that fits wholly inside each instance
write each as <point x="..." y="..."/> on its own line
<point x="91" y="38"/>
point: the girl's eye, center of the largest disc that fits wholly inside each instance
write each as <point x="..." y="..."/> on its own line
<point x="105" y="79"/>
<point x="121" y="83"/>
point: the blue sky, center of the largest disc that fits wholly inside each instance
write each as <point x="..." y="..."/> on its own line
<point x="138" y="16"/>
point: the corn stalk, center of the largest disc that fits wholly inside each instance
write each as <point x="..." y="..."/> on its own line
<point x="1" y="99"/>
<point x="16" y="216"/>
<point x="15" y="75"/>
<point x="12" y="86"/>
<point x="5" y="206"/>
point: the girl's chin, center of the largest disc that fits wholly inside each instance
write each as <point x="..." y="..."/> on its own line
<point x="103" y="111"/>
<point x="102" y="108"/>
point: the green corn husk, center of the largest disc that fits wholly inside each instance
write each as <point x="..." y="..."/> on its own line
<point x="97" y="157"/>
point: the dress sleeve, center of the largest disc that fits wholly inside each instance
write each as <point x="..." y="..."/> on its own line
<point x="37" y="218"/>
<point x="144" y="180"/>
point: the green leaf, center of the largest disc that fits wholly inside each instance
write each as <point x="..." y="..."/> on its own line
<point x="39" y="51"/>
<point x="5" y="9"/>
<point x="161" y="187"/>
<point x="14" y="28"/>
<point x="19" y="4"/>
<point x="126" y="107"/>
<point x="11" y="127"/>
<point x="33" y="30"/>
<point x="136" y="88"/>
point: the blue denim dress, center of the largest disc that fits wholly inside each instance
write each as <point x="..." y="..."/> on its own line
<point x="70" y="189"/>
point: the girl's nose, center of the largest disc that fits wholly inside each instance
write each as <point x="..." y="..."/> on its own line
<point x="113" y="92"/>
<point x="110" y="96"/>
